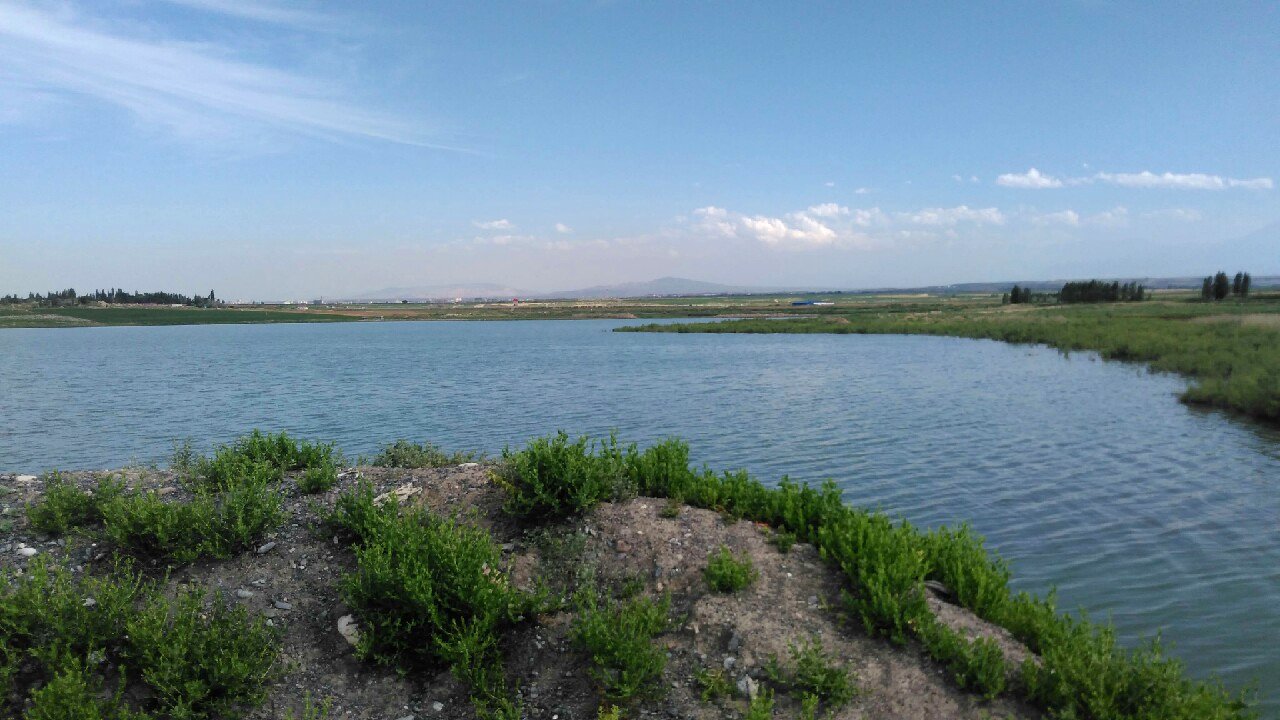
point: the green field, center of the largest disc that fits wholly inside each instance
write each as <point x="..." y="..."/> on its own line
<point x="1230" y="349"/>
<point x="22" y="316"/>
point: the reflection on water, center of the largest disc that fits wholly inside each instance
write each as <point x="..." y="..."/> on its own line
<point x="1088" y="476"/>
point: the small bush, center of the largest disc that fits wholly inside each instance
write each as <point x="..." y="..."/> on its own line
<point x="259" y="456"/>
<point x="814" y="673"/>
<point x="65" y="506"/>
<point x="198" y="660"/>
<point x="713" y="683"/>
<point x="783" y="540"/>
<point x="976" y="664"/>
<point x="554" y="477"/>
<point x="672" y="508"/>
<point x="619" y="638"/>
<point x="430" y="590"/>
<point x="727" y="573"/>
<point x="405" y="454"/>
<point x="761" y="707"/>
<point x="318" y="479"/>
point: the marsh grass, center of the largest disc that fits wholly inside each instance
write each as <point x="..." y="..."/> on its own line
<point x="65" y="506"/>
<point x="1082" y="672"/>
<point x="405" y="454"/>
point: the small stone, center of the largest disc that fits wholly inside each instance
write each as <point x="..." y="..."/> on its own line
<point x="244" y="594"/>
<point x="89" y="602"/>
<point x="508" y="547"/>
<point x="349" y="631"/>
<point x="27" y="551"/>
<point x="729" y="662"/>
<point x="24" y="478"/>
<point x="748" y="687"/>
<point x="270" y="613"/>
<point x="735" y="641"/>
<point x="813" y="599"/>
<point x="623" y="546"/>
<point x="468" y="465"/>
<point x="406" y="717"/>
<point x="282" y="605"/>
<point x="437" y="706"/>
<point x="267" y="548"/>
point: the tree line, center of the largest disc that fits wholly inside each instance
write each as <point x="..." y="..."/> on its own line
<point x="114" y="296"/>
<point x="1218" y="287"/>
<point x="1084" y="291"/>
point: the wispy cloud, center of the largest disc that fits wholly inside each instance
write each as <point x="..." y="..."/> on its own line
<point x="1031" y="179"/>
<point x="265" y="11"/>
<point x="196" y="89"/>
<point x="1070" y="218"/>
<point x="503" y="224"/>
<point x="948" y="217"/>
<point x="563" y="229"/>
<point x="1036" y="180"/>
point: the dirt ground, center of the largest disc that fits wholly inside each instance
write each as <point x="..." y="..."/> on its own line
<point x="294" y="579"/>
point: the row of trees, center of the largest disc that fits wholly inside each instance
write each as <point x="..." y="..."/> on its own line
<point x="114" y="296"/>
<point x="1218" y="287"/>
<point x="1091" y="291"/>
<point x="1017" y="296"/>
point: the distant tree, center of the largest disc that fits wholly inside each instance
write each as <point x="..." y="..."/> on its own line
<point x="1245" y="282"/>
<point x="1004" y="299"/>
<point x="1235" y="283"/>
<point x="1015" y="296"/>
<point x="1206" y="289"/>
<point x="1221" y="286"/>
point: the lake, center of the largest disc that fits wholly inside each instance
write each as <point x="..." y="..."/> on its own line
<point x="1085" y="475"/>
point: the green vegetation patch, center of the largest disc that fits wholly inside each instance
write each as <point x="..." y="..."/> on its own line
<point x="555" y="477"/>
<point x="619" y="638"/>
<point x="405" y="454"/>
<point x="62" y="637"/>
<point x="65" y="506"/>
<point x="813" y="673"/>
<point x="431" y="591"/>
<point x="1081" y="672"/>
<point x="729" y="573"/>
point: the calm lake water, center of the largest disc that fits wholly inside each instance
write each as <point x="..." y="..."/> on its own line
<point x="1087" y="476"/>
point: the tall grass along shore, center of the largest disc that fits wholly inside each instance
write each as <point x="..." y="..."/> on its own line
<point x="1230" y="350"/>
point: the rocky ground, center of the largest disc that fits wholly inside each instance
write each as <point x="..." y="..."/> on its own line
<point x="293" y="578"/>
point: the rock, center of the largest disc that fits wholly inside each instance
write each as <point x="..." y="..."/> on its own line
<point x="729" y="662"/>
<point x="350" y="632"/>
<point x="267" y="548"/>
<point x="24" y="478"/>
<point x="89" y="602"/>
<point x="282" y="605"/>
<point x="27" y="551"/>
<point x="468" y="465"/>
<point x="400" y="494"/>
<point x="406" y="717"/>
<point x="622" y="546"/>
<point x="748" y="687"/>
<point x="437" y="706"/>
<point x="735" y="641"/>
<point x="244" y="594"/>
<point x="939" y="589"/>
<point x="165" y="491"/>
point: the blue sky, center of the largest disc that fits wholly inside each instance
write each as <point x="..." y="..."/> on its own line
<point x="272" y="149"/>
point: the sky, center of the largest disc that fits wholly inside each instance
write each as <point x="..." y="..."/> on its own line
<point x="307" y="149"/>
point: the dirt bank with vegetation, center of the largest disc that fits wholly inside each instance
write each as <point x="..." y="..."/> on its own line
<point x="564" y="580"/>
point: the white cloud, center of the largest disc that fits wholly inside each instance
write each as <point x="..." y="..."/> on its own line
<point x="1031" y="179"/>
<point x="1175" y="214"/>
<point x="563" y="229"/>
<point x="1187" y="181"/>
<point x="828" y="210"/>
<point x="1115" y="217"/>
<point x="503" y="224"/>
<point x="862" y="191"/>
<point x="195" y="89"/>
<point x="947" y="217"/>
<point x="1063" y="217"/>
<point x="265" y="11"/>
<point x="830" y="183"/>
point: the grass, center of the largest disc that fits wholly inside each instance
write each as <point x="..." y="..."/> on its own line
<point x="619" y="638"/>
<point x="1082" y="672"/>
<point x="557" y="477"/>
<point x="761" y="706"/>
<point x="813" y="673"/>
<point x="196" y="656"/>
<point x="713" y="684"/>
<point x="431" y="591"/>
<point x="11" y="316"/>
<point x="1232" y="363"/>
<point x="65" y="506"/>
<point x="405" y="454"/>
<point x="729" y="573"/>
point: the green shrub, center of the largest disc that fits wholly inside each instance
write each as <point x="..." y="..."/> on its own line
<point x="555" y="477"/>
<point x="727" y="573"/>
<point x="65" y="506"/>
<point x="761" y="706"/>
<point x="214" y="525"/>
<point x="430" y="590"/>
<point x="976" y="664"/>
<point x="405" y="454"/>
<point x="783" y="540"/>
<point x="713" y="683"/>
<point x="319" y="478"/>
<point x="199" y="660"/>
<point x="259" y="456"/>
<point x="619" y="638"/>
<point x="814" y="673"/>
